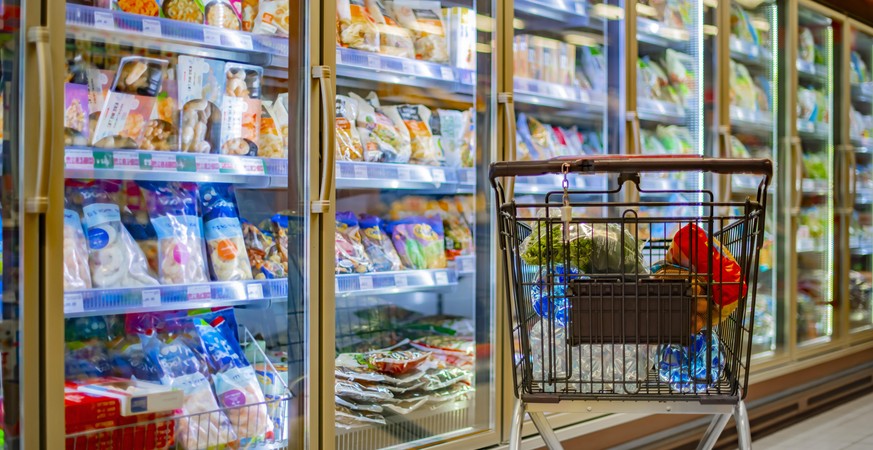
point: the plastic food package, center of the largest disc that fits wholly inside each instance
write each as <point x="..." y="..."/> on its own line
<point x="348" y="419"/>
<point x="417" y="121"/>
<point x="221" y="14"/>
<point x="390" y="362"/>
<point x="135" y="218"/>
<point x="350" y="254"/>
<point x="404" y="149"/>
<point x="743" y="94"/>
<point x="419" y="242"/>
<point x="115" y="258"/>
<point x="437" y="379"/>
<point x="248" y="12"/>
<point x="183" y="10"/>
<point x="685" y="368"/>
<point x="378" y="245"/>
<point x="272" y="17"/>
<point x="458" y="237"/>
<point x="541" y="140"/>
<point x="594" y="67"/>
<point x="453" y="350"/>
<point x="552" y="302"/>
<point x="373" y="408"/>
<point x="201" y="86"/>
<point x="355" y="26"/>
<point x="448" y="128"/>
<point x="273" y="131"/>
<point x="241" y="109"/>
<point x="806" y="47"/>
<point x="77" y="274"/>
<point x="454" y="393"/>
<point x="468" y="145"/>
<point x="690" y="248"/>
<point x="406" y="407"/>
<point x="76" y="115"/>
<point x="680" y="77"/>
<point x="381" y="127"/>
<point x="741" y="25"/>
<point x="460" y="25"/>
<point x="173" y="212"/>
<point x="859" y="73"/>
<point x="424" y="19"/>
<point x="228" y="260"/>
<point x="151" y="8"/>
<point x="359" y="393"/>
<point x="348" y="143"/>
<point x="181" y="368"/>
<point x="675" y="139"/>
<point x="161" y="131"/>
<point x="394" y="39"/>
<point x="374" y="148"/>
<point x="697" y="291"/>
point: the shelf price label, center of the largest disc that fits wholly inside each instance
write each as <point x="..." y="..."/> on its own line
<point x="255" y="291"/>
<point x="124" y="160"/>
<point x="151" y="28"/>
<point x="151" y="298"/>
<point x="79" y="159"/>
<point x="73" y="303"/>
<point x="409" y="67"/>
<point x="404" y="174"/>
<point x="199" y="293"/>
<point x="253" y="166"/>
<point x="360" y="171"/>
<point x="447" y="73"/>
<point x="400" y="281"/>
<point x="365" y="282"/>
<point x="442" y="278"/>
<point x="161" y="161"/>
<point x="208" y="163"/>
<point x="467" y="265"/>
<point x="373" y="62"/>
<point x="211" y="37"/>
<point x="245" y="41"/>
<point x="439" y="175"/>
<point x="104" y="20"/>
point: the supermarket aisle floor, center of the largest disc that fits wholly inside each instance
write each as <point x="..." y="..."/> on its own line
<point x="845" y="427"/>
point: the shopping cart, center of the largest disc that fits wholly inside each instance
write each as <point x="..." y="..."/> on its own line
<point x="638" y="306"/>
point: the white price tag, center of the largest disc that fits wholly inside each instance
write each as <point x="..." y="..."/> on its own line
<point x="245" y="41"/>
<point x="373" y="62"/>
<point x="151" y="28"/>
<point x="365" y="282"/>
<point x="467" y="265"/>
<point x="447" y="73"/>
<point x="255" y="291"/>
<point x="361" y="171"/>
<point x="103" y="20"/>
<point x="404" y="174"/>
<point x="199" y="293"/>
<point x="79" y="159"/>
<point x="339" y="56"/>
<point x="211" y="37"/>
<point x="151" y="298"/>
<point x="73" y="303"/>
<point x="442" y="278"/>
<point x="408" y="67"/>
<point x="439" y="175"/>
<point x="400" y="281"/>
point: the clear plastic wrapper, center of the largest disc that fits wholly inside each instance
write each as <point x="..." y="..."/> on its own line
<point x="271" y="139"/>
<point x="743" y="94"/>
<point x="417" y="121"/>
<point x="356" y="369"/>
<point x="77" y="274"/>
<point x="454" y="393"/>
<point x="394" y="40"/>
<point x="226" y="249"/>
<point x="355" y="26"/>
<point x="424" y="19"/>
<point x="453" y="350"/>
<point x="367" y="407"/>
<point x="241" y="109"/>
<point x="161" y="131"/>
<point x="370" y="116"/>
<point x="685" y="368"/>
<point x="378" y="244"/>
<point x="221" y="14"/>
<point x="265" y="260"/>
<point x="86" y="359"/>
<point x="360" y="393"/>
<point x="680" y="77"/>
<point x="806" y="46"/>
<point x="675" y="139"/>
<point x="350" y="254"/>
<point x="393" y="363"/>
<point x="404" y="148"/>
<point x="348" y="143"/>
<point x="437" y="379"/>
<point x="272" y="17"/>
<point x="183" y="10"/>
<point x="374" y="148"/>
<point x="115" y="258"/>
<point x="419" y="242"/>
<point x="348" y="419"/>
<point x="76" y="115"/>
<point x="552" y="302"/>
<point x="201" y="87"/>
<point x="448" y="127"/>
<point x="406" y="406"/>
<point x="173" y="212"/>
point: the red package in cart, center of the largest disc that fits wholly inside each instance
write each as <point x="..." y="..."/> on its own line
<point x="690" y="248"/>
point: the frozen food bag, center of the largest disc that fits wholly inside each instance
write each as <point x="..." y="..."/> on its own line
<point x="241" y="109"/>
<point x="378" y="124"/>
<point x="355" y="26"/>
<point x="221" y="14"/>
<point x="419" y="242"/>
<point x="135" y="217"/>
<point x="150" y="8"/>
<point x="271" y="142"/>
<point x="201" y="89"/>
<point x="348" y="419"/>
<point x="401" y="143"/>
<point x="459" y="237"/>
<point x="424" y="20"/>
<point x="460" y="24"/>
<point x="374" y="148"/>
<point x="448" y="127"/>
<point x="173" y="212"/>
<point x="272" y="17"/>
<point x="680" y="77"/>
<point x="453" y="350"/>
<point x="468" y="145"/>
<point x="190" y="11"/>
<point x="203" y="424"/>
<point x="76" y="115"/>
<point x="350" y="254"/>
<point x="265" y="261"/>
<point x="161" y="131"/>
<point x="378" y="245"/>
<point x="348" y="143"/>
<point x="806" y="47"/>
<point x="248" y="12"/>
<point x="690" y="248"/>
<point x="417" y="121"/>
<point x="77" y="274"/>
<point x="226" y="249"/>
<point x="114" y="257"/>
<point x="390" y="362"/>
<point x="394" y="40"/>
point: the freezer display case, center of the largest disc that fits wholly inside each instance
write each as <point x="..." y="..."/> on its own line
<point x="750" y="113"/>
<point x="185" y="225"/>
<point x="414" y="321"/>
<point x="859" y="183"/>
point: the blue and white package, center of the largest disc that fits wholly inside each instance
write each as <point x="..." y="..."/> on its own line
<point x="226" y="248"/>
<point x="173" y="212"/>
<point x="685" y="368"/>
<point x="551" y="301"/>
<point x="77" y="274"/>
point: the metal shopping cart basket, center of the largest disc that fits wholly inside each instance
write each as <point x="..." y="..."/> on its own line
<point x="638" y="306"/>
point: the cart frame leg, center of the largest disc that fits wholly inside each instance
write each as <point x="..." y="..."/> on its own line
<point x="546" y="431"/>
<point x="713" y="432"/>
<point x="744" y="432"/>
<point x="515" y="426"/>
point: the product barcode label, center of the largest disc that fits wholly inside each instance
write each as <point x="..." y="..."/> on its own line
<point x="404" y="174"/>
<point x="373" y="61"/>
<point x="400" y="281"/>
<point x="211" y="37"/>
<point x="161" y="161"/>
<point x="103" y="21"/>
<point x="447" y="74"/>
<point x="151" y="298"/>
<point x="208" y="163"/>
<point x="439" y="175"/>
<point x="442" y="278"/>
<point x="73" y="303"/>
<point x="339" y="56"/>
<point x="467" y="265"/>
<point x="199" y="293"/>
<point x="365" y="282"/>
<point x="245" y="41"/>
<point x="151" y="28"/>
<point x="360" y="171"/>
<point x="255" y="291"/>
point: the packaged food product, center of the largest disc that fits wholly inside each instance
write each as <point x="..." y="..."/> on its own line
<point x="675" y="139"/>
<point x="806" y="47"/>
<point x="690" y="248"/>
<point x="173" y="212"/>
<point x="374" y="148"/>
<point x="468" y="146"/>
<point x="350" y="254"/>
<point x="271" y="139"/>
<point x="348" y="419"/>
<point x="807" y="105"/>
<point x="448" y="127"/>
<point x="394" y="40"/>
<point x="76" y="115"/>
<point x="368" y="407"/>
<point x="161" y="131"/>
<point x="356" y="28"/>
<point x="442" y="324"/>
<point x="348" y="143"/>
<point x="115" y="259"/>
<point x="385" y="135"/>
<point x="241" y="109"/>
<point x="248" y="13"/>
<point x="378" y="245"/>
<point x="150" y="8"/>
<point x="273" y="17"/>
<point x="859" y="73"/>
<point x="442" y="378"/>
<point x="681" y="78"/>
<point x="460" y="24"/>
<point x="454" y="393"/>
<point x="696" y="291"/>
<point x="453" y="350"/>
<point x="417" y="121"/>
<point x="221" y="14"/>
<point x="201" y="88"/>
<point x="265" y="261"/>
<point x="228" y="260"/>
<point x="424" y="19"/>
<point x="77" y="274"/>
<point x="360" y="393"/>
<point x="688" y="369"/>
<point x="594" y="67"/>
<point x="135" y="217"/>
<point x="536" y="137"/>
<point x="419" y="242"/>
<point x="743" y="93"/>
<point x="183" y="10"/>
<point x="279" y="229"/>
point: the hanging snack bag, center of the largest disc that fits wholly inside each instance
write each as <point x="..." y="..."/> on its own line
<point x="129" y="104"/>
<point x="350" y="254"/>
<point x="76" y="115"/>
<point x="355" y="26"/>
<point x="173" y="212"/>
<point x="221" y="14"/>
<point x="162" y="128"/>
<point x="419" y="242"/>
<point x="417" y="121"/>
<point x="378" y="245"/>
<point x="201" y="85"/>
<point x="348" y="143"/>
<point x="228" y="260"/>
<point x="272" y="17"/>
<point x="424" y="19"/>
<point x="394" y="40"/>
<point x="271" y="143"/>
<point x="190" y="11"/>
<point x="690" y="248"/>
<point x="241" y="109"/>
<point x="115" y="259"/>
<point x="77" y="274"/>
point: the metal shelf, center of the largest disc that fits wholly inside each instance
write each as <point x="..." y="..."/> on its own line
<point x="539" y="14"/>
<point x="89" y="302"/>
<point x="101" y="25"/>
<point x="809" y="247"/>
<point x="746" y="120"/>
<point x="863" y="92"/>
<point x="570" y="100"/>
<point x="252" y="172"/>
<point x="652" y="32"/>
<point x="814" y="187"/>
<point x="813" y="130"/>
<point x="749" y="53"/>
<point x="376" y="283"/>
<point x="357" y="67"/>
<point x="662" y="112"/>
<point x="810" y="71"/>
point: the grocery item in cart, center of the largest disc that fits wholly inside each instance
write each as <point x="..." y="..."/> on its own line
<point x="173" y="212"/>
<point x="272" y="17"/>
<point x="241" y="109"/>
<point x="378" y="244"/>
<point x="696" y="291"/>
<point x="417" y="121"/>
<point x="226" y="250"/>
<point x="687" y="369"/>
<point x="348" y="143"/>
<point x="201" y="88"/>
<point x="419" y="242"/>
<point x="690" y="248"/>
<point x="183" y="10"/>
<point x="161" y="131"/>
<point x="350" y="254"/>
<point x="549" y="293"/>
<point x="355" y="26"/>
<point x="76" y="115"/>
<point x="77" y="274"/>
<point x="424" y="19"/>
<point x="222" y="14"/>
<point x="114" y="257"/>
<point x="394" y="40"/>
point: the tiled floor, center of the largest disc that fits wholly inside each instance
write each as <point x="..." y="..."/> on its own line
<point x="849" y="426"/>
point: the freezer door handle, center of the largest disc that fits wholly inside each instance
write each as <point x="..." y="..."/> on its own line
<point x="38" y="202"/>
<point x="634" y="121"/>
<point x="328" y="116"/>
<point x="797" y="155"/>
<point x="852" y="167"/>
<point x="724" y="140"/>
<point x="507" y="104"/>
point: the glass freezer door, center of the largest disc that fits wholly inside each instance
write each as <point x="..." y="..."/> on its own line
<point x="186" y="224"/>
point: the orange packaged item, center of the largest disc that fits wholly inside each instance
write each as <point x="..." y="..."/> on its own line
<point x="690" y="248"/>
<point x="355" y="26"/>
<point x="348" y="142"/>
<point x="417" y="121"/>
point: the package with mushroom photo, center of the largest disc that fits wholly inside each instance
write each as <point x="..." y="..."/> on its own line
<point x="161" y="131"/>
<point x="200" y="90"/>
<point x="241" y="109"/>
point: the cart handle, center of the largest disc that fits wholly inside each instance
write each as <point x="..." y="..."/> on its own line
<point x="632" y="164"/>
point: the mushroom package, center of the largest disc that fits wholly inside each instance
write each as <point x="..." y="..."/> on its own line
<point x="241" y="109"/>
<point x="224" y="238"/>
<point x="201" y="84"/>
